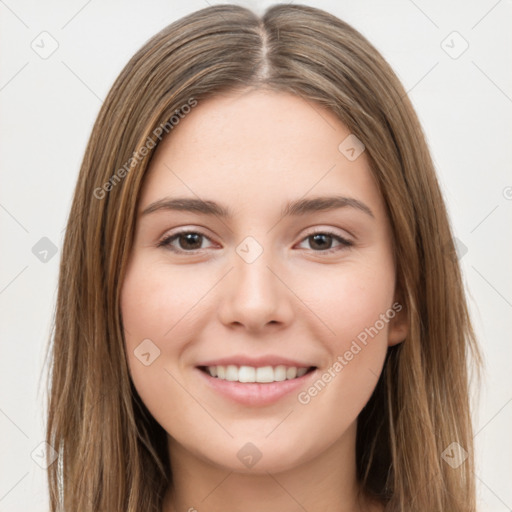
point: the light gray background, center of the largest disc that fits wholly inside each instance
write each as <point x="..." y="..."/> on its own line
<point x="48" y="107"/>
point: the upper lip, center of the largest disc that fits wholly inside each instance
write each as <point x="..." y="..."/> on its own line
<point x="257" y="362"/>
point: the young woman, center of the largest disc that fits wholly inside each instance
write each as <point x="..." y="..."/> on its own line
<point x="260" y="306"/>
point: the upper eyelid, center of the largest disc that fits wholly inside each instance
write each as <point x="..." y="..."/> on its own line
<point x="168" y="236"/>
<point x="330" y="231"/>
<point x="314" y="231"/>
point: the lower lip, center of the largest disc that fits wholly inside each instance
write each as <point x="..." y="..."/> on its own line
<point x="255" y="393"/>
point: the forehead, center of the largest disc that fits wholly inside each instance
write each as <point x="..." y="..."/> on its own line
<point x="255" y="148"/>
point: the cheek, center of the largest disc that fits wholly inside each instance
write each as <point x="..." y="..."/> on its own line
<point x="350" y="300"/>
<point x="363" y="316"/>
<point x="356" y="306"/>
<point x="149" y="314"/>
<point x="153" y="301"/>
<point x="157" y="311"/>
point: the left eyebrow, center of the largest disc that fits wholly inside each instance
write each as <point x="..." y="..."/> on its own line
<point x="293" y="208"/>
<point x="317" y="204"/>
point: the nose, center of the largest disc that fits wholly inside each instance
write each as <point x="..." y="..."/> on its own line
<point x="256" y="296"/>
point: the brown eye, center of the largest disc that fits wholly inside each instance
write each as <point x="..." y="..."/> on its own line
<point x="187" y="241"/>
<point x="322" y="241"/>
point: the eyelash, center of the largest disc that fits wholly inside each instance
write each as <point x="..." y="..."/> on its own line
<point x="166" y="242"/>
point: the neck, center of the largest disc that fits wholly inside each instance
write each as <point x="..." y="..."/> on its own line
<point x="324" y="483"/>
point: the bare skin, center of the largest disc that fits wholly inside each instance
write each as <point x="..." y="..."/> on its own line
<point x="301" y="298"/>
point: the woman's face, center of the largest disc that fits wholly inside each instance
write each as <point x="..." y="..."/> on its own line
<point x="256" y="339"/>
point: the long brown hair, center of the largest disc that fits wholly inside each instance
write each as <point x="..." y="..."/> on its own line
<point x="112" y="453"/>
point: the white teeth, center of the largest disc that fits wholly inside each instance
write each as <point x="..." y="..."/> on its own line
<point x="291" y="372"/>
<point x="246" y="374"/>
<point x="232" y="373"/>
<point x="262" y="374"/>
<point x="280" y="373"/>
<point x="265" y="374"/>
<point x="301" y="371"/>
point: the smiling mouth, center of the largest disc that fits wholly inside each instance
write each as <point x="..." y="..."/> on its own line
<point x="262" y="374"/>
